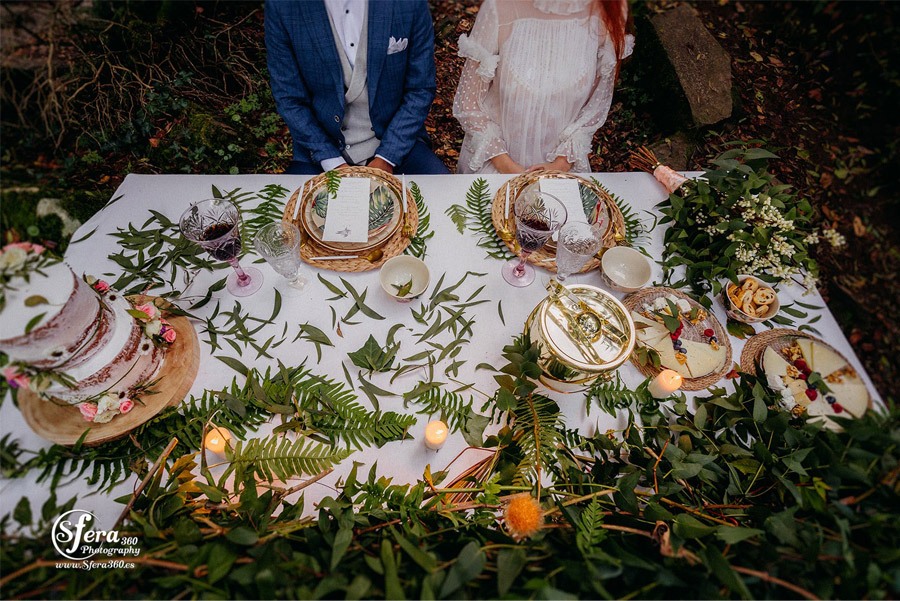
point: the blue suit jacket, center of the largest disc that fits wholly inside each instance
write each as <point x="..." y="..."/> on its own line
<point x="308" y="85"/>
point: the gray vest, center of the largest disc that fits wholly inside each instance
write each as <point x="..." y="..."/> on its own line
<point x="357" y="128"/>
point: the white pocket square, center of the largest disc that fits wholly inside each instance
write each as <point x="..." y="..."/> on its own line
<point x="395" y="45"/>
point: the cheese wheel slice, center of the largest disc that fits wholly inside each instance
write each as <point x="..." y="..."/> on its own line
<point x="775" y="367"/>
<point x="826" y="361"/>
<point x="852" y="394"/>
<point x="702" y="360"/>
<point x="653" y="334"/>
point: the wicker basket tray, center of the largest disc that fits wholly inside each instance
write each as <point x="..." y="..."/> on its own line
<point x="633" y="301"/>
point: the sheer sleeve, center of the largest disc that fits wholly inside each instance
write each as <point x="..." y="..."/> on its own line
<point x="575" y="139"/>
<point x="480" y="48"/>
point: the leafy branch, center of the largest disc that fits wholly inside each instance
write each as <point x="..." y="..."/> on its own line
<point x="476" y="216"/>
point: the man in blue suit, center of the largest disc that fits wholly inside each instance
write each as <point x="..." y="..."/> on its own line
<point x="353" y="80"/>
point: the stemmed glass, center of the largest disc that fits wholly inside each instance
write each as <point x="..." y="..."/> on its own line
<point x="538" y="216"/>
<point x="214" y="224"/>
<point x="279" y="244"/>
<point x="578" y="242"/>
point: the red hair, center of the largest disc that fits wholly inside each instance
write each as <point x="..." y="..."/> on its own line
<point x="616" y="18"/>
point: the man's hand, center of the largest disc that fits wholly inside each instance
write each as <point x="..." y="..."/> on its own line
<point x="560" y="164"/>
<point x="380" y="163"/>
<point x="504" y="164"/>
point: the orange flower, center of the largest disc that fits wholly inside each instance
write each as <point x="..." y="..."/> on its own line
<point x="523" y="516"/>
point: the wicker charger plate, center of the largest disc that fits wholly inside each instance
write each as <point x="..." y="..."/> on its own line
<point x="634" y="301"/>
<point x="392" y="247"/>
<point x="780" y="338"/>
<point x="546" y="257"/>
<point x="63" y="424"/>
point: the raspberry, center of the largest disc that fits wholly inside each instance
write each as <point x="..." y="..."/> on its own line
<point x="837" y="408"/>
<point x="801" y="365"/>
<point x="812" y="395"/>
<point x="802" y="376"/>
<point x="709" y="333"/>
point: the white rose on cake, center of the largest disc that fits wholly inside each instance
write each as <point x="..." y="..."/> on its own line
<point x="107" y="408"/>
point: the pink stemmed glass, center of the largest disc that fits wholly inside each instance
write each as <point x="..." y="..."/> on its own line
<point x="538" y="216"/>
<point x="215" y="225"/>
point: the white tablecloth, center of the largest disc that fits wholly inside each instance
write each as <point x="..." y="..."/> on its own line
<point x="449" y="252"/>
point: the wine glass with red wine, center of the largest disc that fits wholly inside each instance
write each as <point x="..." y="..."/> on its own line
<point x="214" y="224"/>
<point x="538" y="216"/>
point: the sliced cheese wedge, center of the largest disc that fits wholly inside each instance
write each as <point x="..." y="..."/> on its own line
<point x="826" y="360"/>
<point x="775" y="367"/>
<point x="652" y="334"/>
<point x="852" y="395"/>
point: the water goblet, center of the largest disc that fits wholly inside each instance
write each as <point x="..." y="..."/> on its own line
<point x="279" y="244"/>
<point x="578" y="242"/>
<point x="215" y="224"/>
<point x="538" y="215"/>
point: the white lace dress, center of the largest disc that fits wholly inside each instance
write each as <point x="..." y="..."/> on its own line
<point x="537" y="84"/>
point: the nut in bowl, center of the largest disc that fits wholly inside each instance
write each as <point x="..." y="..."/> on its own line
<point x="404" y="277"/>
<point x="750" y="300"/>
<point x="625" y="269"/>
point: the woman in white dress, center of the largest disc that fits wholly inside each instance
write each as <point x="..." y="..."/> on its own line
<point x="538" y="82"/>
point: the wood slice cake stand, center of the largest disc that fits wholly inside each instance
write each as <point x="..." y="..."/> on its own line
<point x="64" y="425"/>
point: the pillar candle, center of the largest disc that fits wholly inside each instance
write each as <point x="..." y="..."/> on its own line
<point x="664" y="384"/>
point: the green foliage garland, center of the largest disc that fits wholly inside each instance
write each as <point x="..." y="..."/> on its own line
<point x="737" y="220"/>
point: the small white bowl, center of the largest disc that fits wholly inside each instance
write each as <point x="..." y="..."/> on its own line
<point x="625" y="269"/>
<point x="398" y="271"/>
<point x="735" y="312"/>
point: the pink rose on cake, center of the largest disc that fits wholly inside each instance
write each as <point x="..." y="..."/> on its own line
<point x="167" y="332"/>
<point x="15" y="378"/>
<point x="101" y="286"/>
<point x="26" y="246"/>
<point x="88" y="411"/>
<point x="147" y="308"/>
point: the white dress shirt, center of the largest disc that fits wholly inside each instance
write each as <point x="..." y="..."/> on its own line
<point x="347" y="16"/>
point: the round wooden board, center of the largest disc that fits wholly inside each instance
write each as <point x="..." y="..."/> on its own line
<point x="63" y="424"/>
<point x="393" y="246"/>
<point x="634" y="300"/>
<point x="544" y="257"/>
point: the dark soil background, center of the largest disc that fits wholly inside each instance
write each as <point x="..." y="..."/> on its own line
<point x="92" y="91"/>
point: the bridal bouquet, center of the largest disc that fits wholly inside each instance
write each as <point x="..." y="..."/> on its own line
<point x="735" y="219"/>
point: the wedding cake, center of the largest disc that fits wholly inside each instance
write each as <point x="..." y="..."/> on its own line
<point x="74" y="340"/>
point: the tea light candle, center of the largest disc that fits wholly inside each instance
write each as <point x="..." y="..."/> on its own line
<point x="665" y="384"/>
<point x="216" y="439"/>
<point x="436" y="434"/>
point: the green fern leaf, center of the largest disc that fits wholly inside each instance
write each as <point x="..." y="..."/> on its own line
<point x="476" y="216"/>
<point x="636" y="233"/>
<point x="278" y="457"/>
<point x="418" y="244"/>
<point x="589" y="528"/>
<point x="540" y="422"/>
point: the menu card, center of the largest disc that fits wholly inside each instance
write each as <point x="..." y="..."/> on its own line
<point x="568" y="193"/>
<point x="347" y="219"/>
